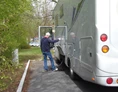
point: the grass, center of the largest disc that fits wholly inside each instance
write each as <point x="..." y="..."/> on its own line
<point x="24" y="56"/>
<point x="32" y="53"/>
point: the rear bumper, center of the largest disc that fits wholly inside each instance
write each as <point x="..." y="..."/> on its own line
<point x="102" y="76"/>
<point x="102" y="81"/>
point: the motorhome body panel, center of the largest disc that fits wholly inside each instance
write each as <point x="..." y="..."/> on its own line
<point x="113" y="23"/>
<point x="84" y="43"/>
<point x="81" y="30"/>
<point x="107" y="24"/>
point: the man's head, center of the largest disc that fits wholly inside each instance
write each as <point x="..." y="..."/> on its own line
<point x="72" y="34"/>
<point x="47" y="34"/>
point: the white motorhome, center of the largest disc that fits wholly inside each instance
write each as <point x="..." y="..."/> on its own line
<point x="89" y="45"/>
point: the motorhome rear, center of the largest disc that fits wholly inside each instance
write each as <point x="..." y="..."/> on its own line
<point x="89" y="46"/>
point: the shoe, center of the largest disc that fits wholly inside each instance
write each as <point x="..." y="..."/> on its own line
<point x="56" y="69"/>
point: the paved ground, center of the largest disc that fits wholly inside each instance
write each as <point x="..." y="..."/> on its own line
<point x="50" y="81"/>
<point x="60" y="81"/>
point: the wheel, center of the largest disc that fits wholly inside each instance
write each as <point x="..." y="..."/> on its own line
<point x="72" y="74"/>
<point x="57" y="61"/>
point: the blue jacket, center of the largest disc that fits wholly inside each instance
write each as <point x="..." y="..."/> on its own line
<point x="45" y="44"/>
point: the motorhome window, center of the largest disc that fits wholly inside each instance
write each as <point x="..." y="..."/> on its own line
<point x="74" y="9"/>
<point x="56" y="20"/>
<point x="78" y="8"/>
<point x="61" y="11"/>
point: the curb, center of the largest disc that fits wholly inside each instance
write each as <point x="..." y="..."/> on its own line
<point x="23" y="78"/>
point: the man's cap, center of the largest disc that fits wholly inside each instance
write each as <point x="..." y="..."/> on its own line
<point x="47" y="34"/>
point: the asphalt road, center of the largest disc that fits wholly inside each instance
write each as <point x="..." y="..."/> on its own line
<point x="60" y="81"/>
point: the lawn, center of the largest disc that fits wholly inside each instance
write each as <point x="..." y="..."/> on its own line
<point x="32" y="53"/>
<point x="24" y="55"/>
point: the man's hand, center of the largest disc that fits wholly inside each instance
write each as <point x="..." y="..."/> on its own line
<point x="59" y="39"/>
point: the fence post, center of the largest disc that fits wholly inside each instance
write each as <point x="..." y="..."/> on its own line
<point x="15" y="56"/>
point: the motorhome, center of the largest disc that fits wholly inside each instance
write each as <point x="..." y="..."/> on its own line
<point x="89" y="45"/>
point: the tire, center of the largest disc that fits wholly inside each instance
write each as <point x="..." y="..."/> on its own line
<point x="57" y="61"/>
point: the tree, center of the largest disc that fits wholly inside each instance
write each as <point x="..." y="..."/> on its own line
<point x="19" y="21"/>
<point x="12" y="31"/>
<point x="11" y="25"/>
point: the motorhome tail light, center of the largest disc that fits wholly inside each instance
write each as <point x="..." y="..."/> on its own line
<point x="109" y="80"/>
<point x="105" y="49"/>
<point x="117" y="80"/>
<point x="103" y="37"/>
<point x="93" y="78"/>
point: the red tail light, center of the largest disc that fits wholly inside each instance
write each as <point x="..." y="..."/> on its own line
<point x="103" y="37"/>
<point x="109" y="80"/>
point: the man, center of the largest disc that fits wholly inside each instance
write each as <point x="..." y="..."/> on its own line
<point x="45" y="48"/>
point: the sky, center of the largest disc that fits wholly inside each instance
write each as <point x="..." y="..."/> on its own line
<point x="41" y="4"/>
